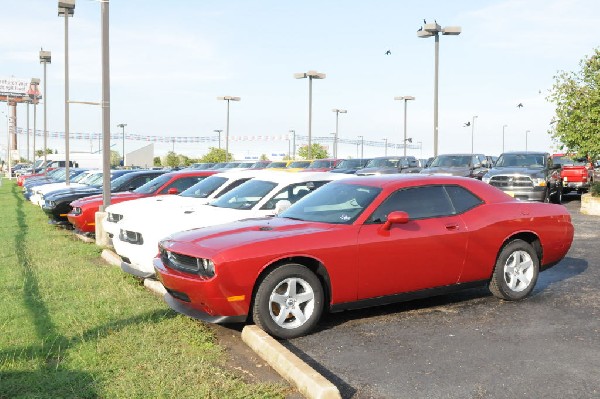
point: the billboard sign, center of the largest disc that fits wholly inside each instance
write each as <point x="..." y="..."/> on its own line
<point x="17" y="87"/>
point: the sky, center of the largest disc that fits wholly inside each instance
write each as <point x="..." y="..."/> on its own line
<point x="169" y="61"/>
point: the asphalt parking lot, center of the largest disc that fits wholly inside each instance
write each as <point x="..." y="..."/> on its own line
<point x="470" y="344"/>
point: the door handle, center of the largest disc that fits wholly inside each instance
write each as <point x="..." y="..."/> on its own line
<point x="452" y="226"/>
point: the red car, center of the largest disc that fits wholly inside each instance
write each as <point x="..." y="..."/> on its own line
<point x="577" y="174"/>
<point x="358" y="242"/>
<point x="83" y="218"/>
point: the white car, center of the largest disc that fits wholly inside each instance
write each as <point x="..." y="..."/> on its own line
<point x="137" y="241"/>
<point x="83" y="180"/>
<point x="200" y="193"/>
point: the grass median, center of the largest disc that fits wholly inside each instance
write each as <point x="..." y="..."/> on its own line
<point x="73" y="327"/>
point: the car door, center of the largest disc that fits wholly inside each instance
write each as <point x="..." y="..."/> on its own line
<point x="428" y="251"/>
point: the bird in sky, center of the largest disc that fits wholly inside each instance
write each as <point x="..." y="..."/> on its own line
<point x="467" y="124"/>
<point x="424" y="21"/>
<point x="388" y="52"/>
<point x="520" y="105"/>
<point x="420" y="29"/>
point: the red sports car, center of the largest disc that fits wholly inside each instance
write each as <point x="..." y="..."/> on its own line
<point x="360" y="242"/>
<point x="83" y="213"/>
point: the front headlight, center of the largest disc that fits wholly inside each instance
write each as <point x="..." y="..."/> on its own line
<point x="132" y="237"/>
<point x="539" y="181"/>
<point x="486" y="178"/>
<point x="187" y="264"/>
<point x="50" y="204"/>
<point x="114" y="217"/>
<point x="76" y="211"/>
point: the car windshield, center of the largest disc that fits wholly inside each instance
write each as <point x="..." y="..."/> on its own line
<point x="320" y="164"/>
<point x="383" y="163"/>
<point x="93" y="180"/>
<point x="153" y="184"/>
<point x="276" y="165"/>
<point x="350" y="164"/>
<point x="245" y="196"/>
<point x="568" y="161"/>
<point x="452" y="161"/>
<point x="521" y="161"/>
<point x="299" y="164"/>
<point x="78" y="178"/>
<point x="205" y="187"/>
<point x="119" y="181"/>
<point x="336" y="203"/>
<point x="88" y="177"/>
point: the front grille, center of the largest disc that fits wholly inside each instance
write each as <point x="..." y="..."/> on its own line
<point x="132" y="237"/>
<point x="511" y="182"/>
<point x="179" y="295"/>
<point x="183" y="263"/>
<point x="114" y="217"/>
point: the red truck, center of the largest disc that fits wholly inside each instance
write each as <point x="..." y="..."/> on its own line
<point x="577" y="173"/>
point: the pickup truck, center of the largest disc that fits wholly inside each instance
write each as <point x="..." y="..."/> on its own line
<point x="577" y="173"/>
<point x="387" y="165"/>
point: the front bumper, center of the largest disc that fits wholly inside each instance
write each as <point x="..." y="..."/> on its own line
<point x="535" y="194"/>
<point x="130" y="269"/>
<point x="203" y="299"/>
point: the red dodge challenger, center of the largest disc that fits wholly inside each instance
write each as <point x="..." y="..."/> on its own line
<point x="358" y="242"/>
<point x="83" y="214"/>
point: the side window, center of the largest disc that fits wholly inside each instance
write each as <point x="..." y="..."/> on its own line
<point x="462" y="199"/>
<point x="140" y="181"/>
<point x="182" y="184"/>
<point x="418" y="202"/>
<point x="232" y="186"/>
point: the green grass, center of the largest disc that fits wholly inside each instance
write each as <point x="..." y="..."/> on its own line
<point x="73" y="327"/>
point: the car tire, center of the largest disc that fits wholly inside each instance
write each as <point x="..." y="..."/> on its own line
<point x="557" y="198"/>
<point x="288" y="302"/>
<point x="546" y="197"/>
<point x="516" y="271"/>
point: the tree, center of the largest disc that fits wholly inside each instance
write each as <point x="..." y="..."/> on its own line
<point x="317" y="150"/>
<point x="40" y="153"/>
<point x="157" y="161"/>
<point x="215" y="155"/>
<point x="576" y="126"/>
<point x="264" y="157"/>
<point x="171" y="159"/>
<point x="115" y="159"/>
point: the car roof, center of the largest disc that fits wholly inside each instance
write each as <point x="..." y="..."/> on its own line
<point x="283" y="177"/>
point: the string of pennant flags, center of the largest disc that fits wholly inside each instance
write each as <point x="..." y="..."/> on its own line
<point x="214" y="139"/>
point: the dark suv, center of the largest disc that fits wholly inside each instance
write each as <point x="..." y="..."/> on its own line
<point x="467" y="165"/>
<point x="387" y="165"/>
<point x="530" y="176"/>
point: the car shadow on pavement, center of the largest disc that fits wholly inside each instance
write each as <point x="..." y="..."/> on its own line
<point x="564" y="270"/>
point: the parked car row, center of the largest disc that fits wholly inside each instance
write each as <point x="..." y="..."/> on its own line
<point x="280" y="249"/>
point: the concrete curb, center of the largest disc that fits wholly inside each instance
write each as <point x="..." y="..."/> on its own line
<point x="111" y="258"/>
<point x="84" y="238"/>
<point x="310" y="383"/>
<point x="155" y="287"/>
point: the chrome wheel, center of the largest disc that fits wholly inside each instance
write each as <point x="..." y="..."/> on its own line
<point x="291" y="303"/>
<point x="518" y="271"/>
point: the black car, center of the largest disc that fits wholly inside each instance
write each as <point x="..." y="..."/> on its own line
<point x="58" y="203"/>
<point x="350" y="166"/>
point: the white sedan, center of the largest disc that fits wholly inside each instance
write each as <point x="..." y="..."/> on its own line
<point x="137" y="241"/>
<point x="83" y="180"/>
<point x="200" y="193"/>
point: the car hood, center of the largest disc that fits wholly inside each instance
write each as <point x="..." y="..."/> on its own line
<point x="451" y="171"/>
<point x="116" y="197"/>
<point x="155" y="205"/>
<point x="515" y="171"/>
<point x="210" y="240"/>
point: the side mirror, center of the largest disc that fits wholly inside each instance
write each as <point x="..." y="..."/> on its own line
<point x="172" y="190"/>
<point x="395" y="217"/>
<point x="131" y="188"/>
<point x="281" y="206"/>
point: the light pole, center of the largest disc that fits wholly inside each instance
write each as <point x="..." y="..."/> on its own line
<point x="406" y="99"/>
<point x="473" y="132"/>
<point x="385" y="145"/>
<point x="293" y="143"/>
<point x="45" y="58"/>
<point x="218" y="131"/>
<point x="105" y="42"/>
<point x="310" y="75"/>
<point x="66" y="9"/>
<point x="34" y="100"/>
<point x="429" y="30"/>
<point x="526" y="133"/>
<point x="362" y="143"/>
<point x="122" y="126"/>
<point x="228" y="99"/>
<point x="335" y="137"/>
<point x="503" y="127"/>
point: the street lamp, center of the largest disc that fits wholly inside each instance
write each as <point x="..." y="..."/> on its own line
<point x="66" y="8"/>
<point x="362" y="143"/>
<point x="406" y="99"/>
<point x="472" y="132"/>
<point x="310" y="75"/>
<point x="503" y="127"/>
<point x="429" y="30"/>
<point x="45" y="58"/>
<point x="218" y="131"/>
<point x="293" y="143"/>
<point x="526" y="133"/>
<point x="385" y="145"/>
<point x="122" y="126"/>
<point x="335" y="137"/>
<point x="228" y="99"/>
<point x="33" y="99"/>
